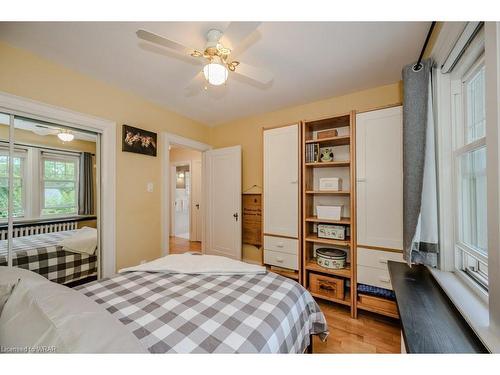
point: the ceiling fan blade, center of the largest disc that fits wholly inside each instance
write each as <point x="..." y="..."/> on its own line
<point x="157" y="39"/>
<point x="237" y="32"/>
<point x="257" y="74"/>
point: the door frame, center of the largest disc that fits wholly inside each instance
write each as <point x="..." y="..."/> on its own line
<point x="169" y="139"/>
<point x="174" y="164"/>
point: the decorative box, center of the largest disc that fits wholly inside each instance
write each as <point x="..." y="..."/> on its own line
<point x="330" y="133"/>
<point x="330" y="183"/>
<point x="329" y="212"/>
<point x="336" y="232"/>
<point x="334" y="259"/>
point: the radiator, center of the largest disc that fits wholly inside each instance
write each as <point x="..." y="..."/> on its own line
<point x="29" y="230"/>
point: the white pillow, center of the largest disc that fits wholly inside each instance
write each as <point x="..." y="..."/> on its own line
<point x="84" y="240"/>
<point x="48" y="317"/>
<point x="5" y="292"/>
<point x="9" y="277"/>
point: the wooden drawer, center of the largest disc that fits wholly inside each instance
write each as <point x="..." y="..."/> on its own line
<point x="377" y="304"/>
<point x="285" y="260"/>
<point x="377" y="258"/>
<point x="374" y="276"/>
<point x="330" y="287"/>
<point x="283" y="245"/>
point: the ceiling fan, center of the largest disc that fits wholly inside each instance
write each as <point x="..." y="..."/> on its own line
<point x="217" y="55"/>
<point x="63" y="134"/>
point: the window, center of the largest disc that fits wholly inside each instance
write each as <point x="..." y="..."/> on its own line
<point x="59" y="185"/>
<point x="471" y="248"/>
<point x="19" y="196"/>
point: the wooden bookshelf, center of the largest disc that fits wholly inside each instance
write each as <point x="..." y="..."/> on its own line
<point x="314" y="219"/>
<point x="311" y="265"/>
<point x="329" y="192"/>
<point x="332" y="141"/>
<point x="329" y="164"/>
<point x="326" y="241"/>
<point x="346" y="301"/>
<point x="342" y="166"/>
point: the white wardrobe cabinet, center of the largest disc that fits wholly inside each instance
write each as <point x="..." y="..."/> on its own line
<point x="281" y="181"/>
<point x="379" y="175"/>
<point x="281" y="196"/>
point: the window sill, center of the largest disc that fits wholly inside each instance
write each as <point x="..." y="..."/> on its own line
<point x="472" y="307"/>
<point x="47" y="220"/>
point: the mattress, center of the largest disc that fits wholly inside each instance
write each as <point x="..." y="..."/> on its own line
<point x="180" y="313"/>
<point x="42" y="254"/>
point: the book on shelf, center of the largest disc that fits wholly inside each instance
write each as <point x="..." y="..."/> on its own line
<point x="312" y="152"/>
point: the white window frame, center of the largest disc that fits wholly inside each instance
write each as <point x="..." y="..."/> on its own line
<point x="480" y="311"/>
<point x="57" y="157"/>
<point x="26" y="182"/>
<point x="33" y="181"/>
<point x="468" y="66"/>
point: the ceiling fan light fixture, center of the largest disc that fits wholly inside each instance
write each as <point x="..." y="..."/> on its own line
<point x="216" y="74"/>
<point x="65" y="136"/>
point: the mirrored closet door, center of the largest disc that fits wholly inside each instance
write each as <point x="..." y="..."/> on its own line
<point x="49" y="198"/>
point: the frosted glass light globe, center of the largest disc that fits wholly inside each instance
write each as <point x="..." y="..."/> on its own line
<point x="215" y="74"/>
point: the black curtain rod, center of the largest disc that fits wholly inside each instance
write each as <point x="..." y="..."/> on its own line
<point x="418" y="65"/>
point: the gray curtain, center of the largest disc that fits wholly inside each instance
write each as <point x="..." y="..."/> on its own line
<point x="420" y="212"/>
<point x="86" y="189"/>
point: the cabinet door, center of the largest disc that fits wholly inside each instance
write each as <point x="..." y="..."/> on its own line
<point x="281" y="181"/>
<point x="379" y="158"/>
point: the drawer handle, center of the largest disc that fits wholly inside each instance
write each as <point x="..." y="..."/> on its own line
<point x="279" y="260"/>
<point x="280" y="244"/>
<point x="384" y="279"/>
<point x="325" y="286"/>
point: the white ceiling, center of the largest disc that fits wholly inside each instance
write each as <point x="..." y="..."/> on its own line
<point x="309" y="60"/>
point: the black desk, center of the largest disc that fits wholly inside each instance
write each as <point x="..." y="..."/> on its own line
<point x="430" y="322"/>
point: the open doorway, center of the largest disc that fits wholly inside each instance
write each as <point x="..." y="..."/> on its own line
<point x="185" y="199"/>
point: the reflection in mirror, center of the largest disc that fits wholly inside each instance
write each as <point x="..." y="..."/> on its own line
<point x="54" y="199"/>
<point x="4" y="166"/>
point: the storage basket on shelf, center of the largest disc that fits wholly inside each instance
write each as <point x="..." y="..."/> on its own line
<point x="334" y="259"/>
<point x="327" y="286"/>
<point x="329" y="212"/>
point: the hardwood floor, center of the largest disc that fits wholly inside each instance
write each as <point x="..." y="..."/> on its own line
<point x="180" y="245"/>
<point x="370" y="333"/>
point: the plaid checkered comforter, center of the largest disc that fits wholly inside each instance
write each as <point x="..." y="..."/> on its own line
<point x="179" y="313"/>
<point x="42" y="254"/>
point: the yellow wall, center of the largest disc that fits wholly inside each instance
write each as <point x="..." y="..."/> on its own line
<point x="138" y="212"/>
<point x="183" y="154"/>
<point x="247" y="132"/>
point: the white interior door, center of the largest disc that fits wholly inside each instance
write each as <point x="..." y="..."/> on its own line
<point x="222" y="192"/>
<point x="172" y="200"/>
<point x="196" y="182"/>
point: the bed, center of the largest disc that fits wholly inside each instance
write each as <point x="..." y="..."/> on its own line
<point x="162" y="310"/>
<point x="186" y="313"/>
<point x="41" y="253"/>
